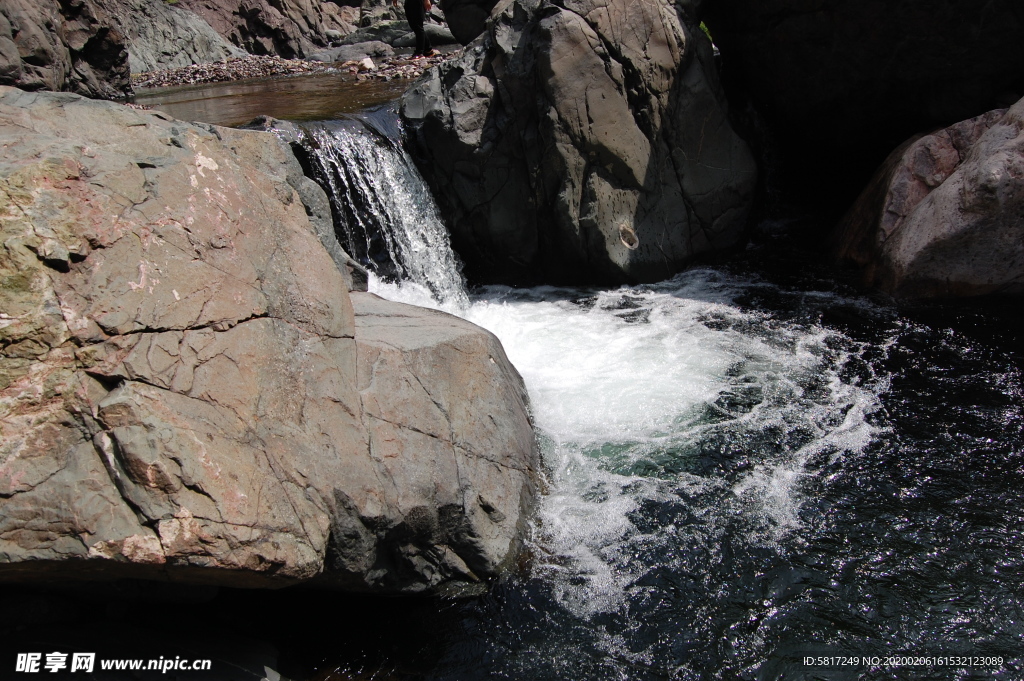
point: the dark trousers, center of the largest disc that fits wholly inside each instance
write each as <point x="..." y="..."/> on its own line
<point x="416" y="15"/>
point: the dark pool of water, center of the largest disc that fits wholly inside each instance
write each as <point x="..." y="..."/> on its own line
<point x="295" y="98"/>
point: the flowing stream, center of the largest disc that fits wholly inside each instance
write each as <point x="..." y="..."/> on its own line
<point x="742" y="470"/>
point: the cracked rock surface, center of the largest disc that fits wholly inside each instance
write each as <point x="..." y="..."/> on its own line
<point x="944" y="216"/>
<point x="187" y="393"/>
<point x="582" y="141"/>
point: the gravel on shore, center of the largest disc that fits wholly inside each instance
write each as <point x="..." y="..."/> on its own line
<point x="254" y="66"/>
<point x="236" y="68"/>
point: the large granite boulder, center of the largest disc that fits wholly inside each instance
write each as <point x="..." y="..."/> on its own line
<point x="288" y="28"/>
<point x="162" y="36"/>
<point x="384" y="31"/>
<point x="374" y="49"/>
<point x="69" y="45"/>
<point x="582" y="140"/>
<point x="944" y="216"/>
<point x="437" y="35"/>
<point x="843" y="82"/>
<point x="187" y="394"/>
<point x="452" y="452"/>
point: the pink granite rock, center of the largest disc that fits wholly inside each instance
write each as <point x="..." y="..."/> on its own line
<point x="186" y="393"/>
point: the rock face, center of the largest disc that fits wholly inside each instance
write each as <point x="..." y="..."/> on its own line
<point x="160" y="36"/>
<point x="375" y="11"/>
<point x="945" y="215"/>
<point x="582" y="140"/>
<point x="71" y="45"/>
<point x="443" y="408"/>
<point x="288" y="28"/>
<point x="467" y="18"/>
<point x="187" y="394"/>
<point x="849" y="79"/>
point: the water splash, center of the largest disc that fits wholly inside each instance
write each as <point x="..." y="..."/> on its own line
<point x="650" y="395"/>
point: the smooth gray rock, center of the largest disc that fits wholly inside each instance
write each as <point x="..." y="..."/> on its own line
<point x="354" y="52"/>
<point x="444" y="409"/>
<point x="384" y="31"/>
<point x="186" y="393"/>
<point x="582" y="141"/>
<point x="437" y="35"/>
<point x="944" y="216"/>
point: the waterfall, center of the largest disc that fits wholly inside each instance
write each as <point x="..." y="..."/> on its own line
<point x="385" y="216"/>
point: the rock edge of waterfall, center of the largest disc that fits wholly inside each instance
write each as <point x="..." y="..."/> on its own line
<point x="190" y="392"/>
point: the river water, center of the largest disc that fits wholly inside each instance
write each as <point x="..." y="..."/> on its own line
<point x="296" y="98"/>
<point x="746" y="467"/>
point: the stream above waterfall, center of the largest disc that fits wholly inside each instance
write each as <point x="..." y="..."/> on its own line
<point x="297" y="98"/>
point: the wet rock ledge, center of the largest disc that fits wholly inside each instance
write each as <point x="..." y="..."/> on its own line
<point x="190" y="392"/>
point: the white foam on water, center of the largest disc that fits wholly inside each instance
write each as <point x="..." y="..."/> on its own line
<point x="626" y="379"/>
<point x="647" y="397"/>
<point x="412" y="293"/>
<point x="596" y="378"/>
<point x="774" y="488"/>
<point x="628" y="385"/>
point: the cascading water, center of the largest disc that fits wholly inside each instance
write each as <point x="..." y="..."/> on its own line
<point x="741" y="473"/>
<point x="387" y="218"/>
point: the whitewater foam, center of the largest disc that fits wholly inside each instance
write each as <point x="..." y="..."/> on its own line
<point x="645" y="395"/>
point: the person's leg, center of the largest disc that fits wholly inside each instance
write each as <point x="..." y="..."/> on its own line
<point x="423" y="42"/>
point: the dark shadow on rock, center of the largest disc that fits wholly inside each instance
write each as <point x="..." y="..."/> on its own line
<point x="579" y="142"/>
